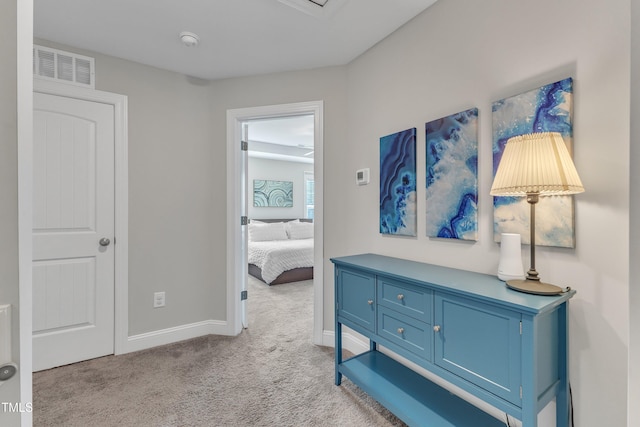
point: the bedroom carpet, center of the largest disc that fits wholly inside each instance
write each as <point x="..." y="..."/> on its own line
<point x="270" y="375"/>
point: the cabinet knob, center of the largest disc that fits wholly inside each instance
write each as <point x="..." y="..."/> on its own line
<point x="400" y="297"/>
<point x="400" y="331"/>
<point x="370" y="302"/>
<point x="436" y="328"/>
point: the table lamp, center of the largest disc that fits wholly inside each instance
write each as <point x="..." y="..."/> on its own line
<point x="534" y="165"/>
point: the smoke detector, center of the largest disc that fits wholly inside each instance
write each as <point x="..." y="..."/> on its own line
<point x="189" y="39"/>
<point x="319" y="8"/>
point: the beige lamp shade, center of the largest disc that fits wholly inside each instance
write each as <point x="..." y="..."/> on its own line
<point x="537" y="163"/>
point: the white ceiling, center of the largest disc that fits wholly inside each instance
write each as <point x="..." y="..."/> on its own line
<point x="237" y="37"/>
<point x="283" y="138"/>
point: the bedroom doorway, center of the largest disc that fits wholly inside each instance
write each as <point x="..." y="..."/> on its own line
<point x="238" y="189"/>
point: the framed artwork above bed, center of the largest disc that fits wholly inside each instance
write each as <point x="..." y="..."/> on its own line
<point x="267" y="193"/>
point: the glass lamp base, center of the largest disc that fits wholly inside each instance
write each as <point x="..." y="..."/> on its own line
<point x="534" y="287"/>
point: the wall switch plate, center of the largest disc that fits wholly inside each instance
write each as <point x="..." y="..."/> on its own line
<point x="158" y="299"/>
<point x="362" y="176"/>
<point x="5" y="334"/>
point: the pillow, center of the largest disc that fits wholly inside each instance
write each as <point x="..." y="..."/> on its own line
<point x="267" y="231"/>
<point x="300" y="230"/>
<point x="287" y="227"/>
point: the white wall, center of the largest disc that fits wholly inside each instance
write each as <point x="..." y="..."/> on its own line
<point x="176" y="194"/>
<point x="634" y="216"/>
<point x="278" y="170"/>
<point x="9" y="286"/>
<point x="175" y="191"/>
<point x="177" y="177"/>
<point x="464" y="53"/>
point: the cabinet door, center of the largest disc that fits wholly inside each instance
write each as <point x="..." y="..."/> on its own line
<point x="480" y="343"/>
<point x="356" y="292"/>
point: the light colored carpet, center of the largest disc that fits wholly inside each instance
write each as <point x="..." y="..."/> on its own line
<point x="270" y="375"/>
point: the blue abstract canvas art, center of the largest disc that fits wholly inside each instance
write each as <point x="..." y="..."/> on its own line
<point x="452" y="176"/>
<point x="398" y="183"/>
<point x="272" y="193"/>
<point x="546" y="109"/>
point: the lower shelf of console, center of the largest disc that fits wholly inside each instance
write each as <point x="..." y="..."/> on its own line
<point x="411" y="397"/>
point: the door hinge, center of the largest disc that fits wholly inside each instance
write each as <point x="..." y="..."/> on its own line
<point x="521" y="327"/>
<point x="520" y="392"/>
<point x="244" y="220"/>
<point x="244" y="145"/>
<point x="244" y="295"/>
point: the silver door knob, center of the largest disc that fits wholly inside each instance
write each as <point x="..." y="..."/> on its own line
<point x="370" y="302"/>
<point x="104" y="241"/>
<point x="436" y="328"/>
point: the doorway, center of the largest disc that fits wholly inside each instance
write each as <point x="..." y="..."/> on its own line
<point x="279" y="188"/>
<point x="236" y="265"/>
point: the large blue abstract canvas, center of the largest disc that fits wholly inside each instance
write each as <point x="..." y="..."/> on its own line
<point x="546" y="109"/>
<point x="398" y="183"/>
<point x="452" y="176"/>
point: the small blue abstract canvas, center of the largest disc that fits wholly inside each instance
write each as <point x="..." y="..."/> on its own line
<point x="398" y="183"/>
<point x="546" y="109"/>
<point x="452" y="176"/>
<point x="268" y="193"/>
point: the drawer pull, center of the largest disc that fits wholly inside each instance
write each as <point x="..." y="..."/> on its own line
<point x="370" y="302"/>
<point x="400" y="331"/>
<point x="400" y="297"/>
<point x="436" y="328"/>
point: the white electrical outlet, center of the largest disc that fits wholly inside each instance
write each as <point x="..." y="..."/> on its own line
<point x="158" y="299"/>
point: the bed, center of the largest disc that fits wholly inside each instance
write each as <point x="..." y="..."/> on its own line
<point x="281" y="250"/>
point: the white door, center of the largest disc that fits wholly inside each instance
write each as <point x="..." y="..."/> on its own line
<point x="73" y="230"/>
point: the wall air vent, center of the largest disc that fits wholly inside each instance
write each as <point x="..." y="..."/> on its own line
<point x="64" y="67"/>
<point x="317" y="8"/>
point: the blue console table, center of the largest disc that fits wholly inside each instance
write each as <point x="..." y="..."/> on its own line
<point x="507" y="348"/>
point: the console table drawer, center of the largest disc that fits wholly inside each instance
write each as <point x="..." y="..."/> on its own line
<point x="405" y="332"/>
<point x="406" y="298"/>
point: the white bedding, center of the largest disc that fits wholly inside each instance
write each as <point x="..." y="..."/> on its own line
<point x="277" y="256"/>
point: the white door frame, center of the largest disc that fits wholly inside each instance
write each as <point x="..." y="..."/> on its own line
<point x="121" y="239"/>
<point x="235" y="268"/>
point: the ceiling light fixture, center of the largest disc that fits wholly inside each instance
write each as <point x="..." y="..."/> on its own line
<point x="189" y="39"/>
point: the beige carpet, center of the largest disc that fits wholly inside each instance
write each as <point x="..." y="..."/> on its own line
<point x="270" y="375"/>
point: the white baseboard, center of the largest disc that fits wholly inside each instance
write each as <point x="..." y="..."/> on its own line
<point x="351" y="341"/>
<point x="175" y="334"/>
